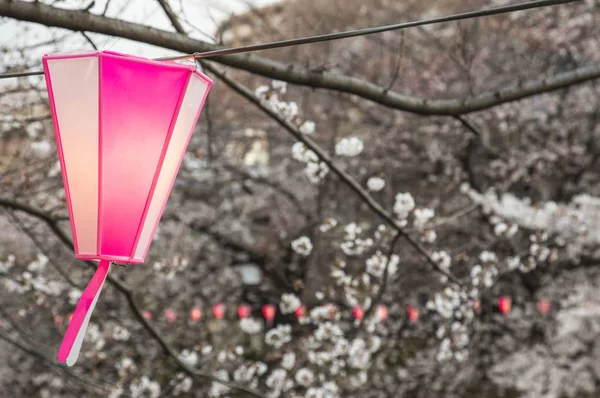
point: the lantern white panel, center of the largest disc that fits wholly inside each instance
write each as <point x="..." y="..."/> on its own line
<point x="188" y="115"/>
<point x="74" y="88"/>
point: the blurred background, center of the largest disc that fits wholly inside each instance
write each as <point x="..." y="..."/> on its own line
<point x="440" y="239"/>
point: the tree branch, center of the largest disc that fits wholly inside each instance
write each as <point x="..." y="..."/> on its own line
<point x="468" y="125"/>
<point x="172" y="17"/>
<point x="89" y="40"/>
<point x="84" y="21"/>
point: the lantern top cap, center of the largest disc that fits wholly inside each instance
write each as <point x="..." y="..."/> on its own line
<point x="133" y="58"/>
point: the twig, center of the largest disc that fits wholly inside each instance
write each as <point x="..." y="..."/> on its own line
<point x="106" y="7"/>
<point x="467" y="125"/>
<point x="89" y="40"/>
<point x="445" y="220"/>
<point x="172" y="17"/>
<point x="399" y="60"/>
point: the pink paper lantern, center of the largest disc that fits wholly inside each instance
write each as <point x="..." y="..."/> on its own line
<point x="504" y="304"/>
<point x="195" y="314"/>
<point x="413" y="313"/>
<point x="358" y="312"/>
<point x="477" y="306"/>
<point x="300" y="312"/>
<point x="170" y="315"/>
<point x="382" y="312"/>
<point x="122" y="126"/>
<point x="268" y="311"/>
<point x="147" y="315"/>
<point x="219" y="311"/>
<point x="244" y="311"/>
<point x="544" y="306"/>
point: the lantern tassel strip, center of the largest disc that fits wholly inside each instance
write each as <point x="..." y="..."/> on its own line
<point x="71" y="344"/>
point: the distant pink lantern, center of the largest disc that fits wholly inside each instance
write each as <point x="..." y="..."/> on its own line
<point x="358" y="312"/>
<point x="413" y="313"/>
<point x="268" y="311"/>
<point x="244" y="311"/>
<point x="382" y="312"/>
<point x="544" y="306"/>
<point x="195" y="314"/>
<point x="122" y="126"/>
<point x="504" y="304"/>
<point x="170" y="315"/>
<point x="219" y="310"/>
<point x="300" y="312"/>
<point x="477" y="306"/>
<point x="147" y="315"/>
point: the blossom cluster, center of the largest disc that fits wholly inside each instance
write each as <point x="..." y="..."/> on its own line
<point x="270" y="97"/>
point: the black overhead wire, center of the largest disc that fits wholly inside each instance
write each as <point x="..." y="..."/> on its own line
<point x="344" y="35"/>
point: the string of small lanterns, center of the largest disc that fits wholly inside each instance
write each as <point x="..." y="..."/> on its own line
<point x="268" y="311"/>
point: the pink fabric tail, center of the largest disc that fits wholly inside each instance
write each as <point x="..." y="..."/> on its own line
<point x="71" y="344"/>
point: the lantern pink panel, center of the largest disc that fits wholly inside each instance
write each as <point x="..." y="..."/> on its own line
<point x="73" y="91"/>
<point x="122" y="126"/>
<point x="188" y="114"/>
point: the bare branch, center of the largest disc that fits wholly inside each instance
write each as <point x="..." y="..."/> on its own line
<point x="452" y="217"/>
<point x="468" y="125"/>
<point x="106" y="7"/>
<point x="293" y="73"/>
<point x="172" y="17"/>
<point x="89" y="40"/>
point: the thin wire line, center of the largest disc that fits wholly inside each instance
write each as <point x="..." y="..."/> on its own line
<point x="346" y="34"/>
<point x="368" y="31"/>
<point x="22" y="74"/>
